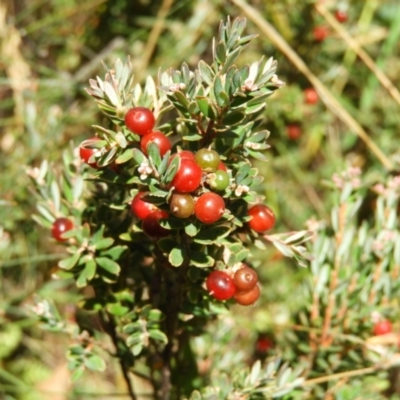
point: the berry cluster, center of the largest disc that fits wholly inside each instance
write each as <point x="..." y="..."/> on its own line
<point x="195" y="190"/>
<point x="242" y="287"/>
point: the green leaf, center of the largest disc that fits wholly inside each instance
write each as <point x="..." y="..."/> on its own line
<point x="177" y="256"/>
<point x="210" y="235"/>
<point x="206" y="107"/>
<point x="233" y="118"/>
<point x="70" y="262"/>
<point x="199" y="259"/>
<point x="171" y="170"/>
<point x="90" y="269"/>
<point x="115" y="252"/>
<point x="221" y="97"/>
<point x="138" y="156"/>
<point x="156" y="315"/>
<point x="103" y="243"/>
<point x="153" y="152"/>
<point x="109" y="265"/>
<point x="95" y="363"/>
<point x="158" y="336"/>
<point x="117" y="309"/>
<point x="191" y="230"/>
<point x="166" y="244"/>
<point x="124" y="157"/>
<point x="221" y="52"/>
<point x="206" y="72"/>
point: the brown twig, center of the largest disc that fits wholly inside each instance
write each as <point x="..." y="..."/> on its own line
<point x="368" y="61"/>
<point x="153" y="37"/>
<point x="326" y="96"/>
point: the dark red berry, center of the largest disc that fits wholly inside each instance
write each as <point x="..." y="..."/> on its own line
<point x="188" y="177"/>
<point x="248" y="297"/>
<point x="263" y="344"/>
<point x="320" y="33"/>
<point x="151" y="224"/>
<point x="86" y="149"/>
<point x="262" y="218"/>
<point x="60" y="226"/>
<point x="382" y="327"/>
<point x="209" y="208"/>
<point x="207" y="159"/>
<point x="311" y="96"/>
<point x="159" y="139"/>
<point x="140" y="120"/>
<point x="140" y="208"/>
<point x="245" y="278"/>
<point x="220" y="285"/>
<point x="341" y="16"/>
<point x="293" y="131"/>
<point x="181" y="205"/>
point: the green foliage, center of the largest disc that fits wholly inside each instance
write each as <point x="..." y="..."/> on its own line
<point x="320" y="317"/>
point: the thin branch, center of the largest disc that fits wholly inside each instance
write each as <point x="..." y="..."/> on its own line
<point x="153" y="37"/>
<point x="111" y="329"/>
<point x="368" y="61"/>
<point x="326" y="96"/>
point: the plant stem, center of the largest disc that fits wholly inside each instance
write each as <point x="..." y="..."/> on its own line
<point x="111" y="329"/>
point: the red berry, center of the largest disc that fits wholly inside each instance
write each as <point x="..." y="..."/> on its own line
<point x="293" y="131"/>
<point x="222" y="166"/>
<point x="140" y="120"/>
<point x="181" y="205"/>
<point x="188" y="177"/>
<point x="262" y="218"/>
<point x="248" y="297"/>
<point x="183" y="155"/>
<point x="207" y="159"/>
<point x="341" y="16"/>
<point x="220" y="285"/>
<point x="263" y="344"/>
<point x="209" y="208"/>
<point x="151" y="224"/>
<point x="87" y="149"/>
<point x="60" y="226"/>
<point x="140" y="208"/>
<point x="382" y="327"/>
<point x="245" y="278"/>
<point x="159" y="139"/>
<point x="320" y="33"/>
<point x="311" y="96"/>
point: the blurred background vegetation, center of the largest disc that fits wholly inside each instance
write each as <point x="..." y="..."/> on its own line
<point x="49" y="50"/>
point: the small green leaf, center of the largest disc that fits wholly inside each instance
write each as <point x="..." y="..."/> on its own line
<point x="199" y="259"/>
<point x="177" y="256"/>
<point x="166" y="244"/>
<point x="156" y="315"/>
<point x="138" y="156"/>
<point x="90" y="269"/>
<point x="104" y="243"/>
<point x="70" y="262"/>
<point x="210" y="235"/>
<point x="206" y="72"/>
<point x="171" y="170"/>
<point x="117" y="309"/>
<point x="109" y="265"/>
<point x="158" y="336"/>
<point x="153" y="152"/>
<point x="233" y="118"/>
<point x="191" y="230"/>
<point x="124" y="157"/>
<point x="95" y="363"/>
<point x="115" y="252"/>
<point x="206" y="107"/>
